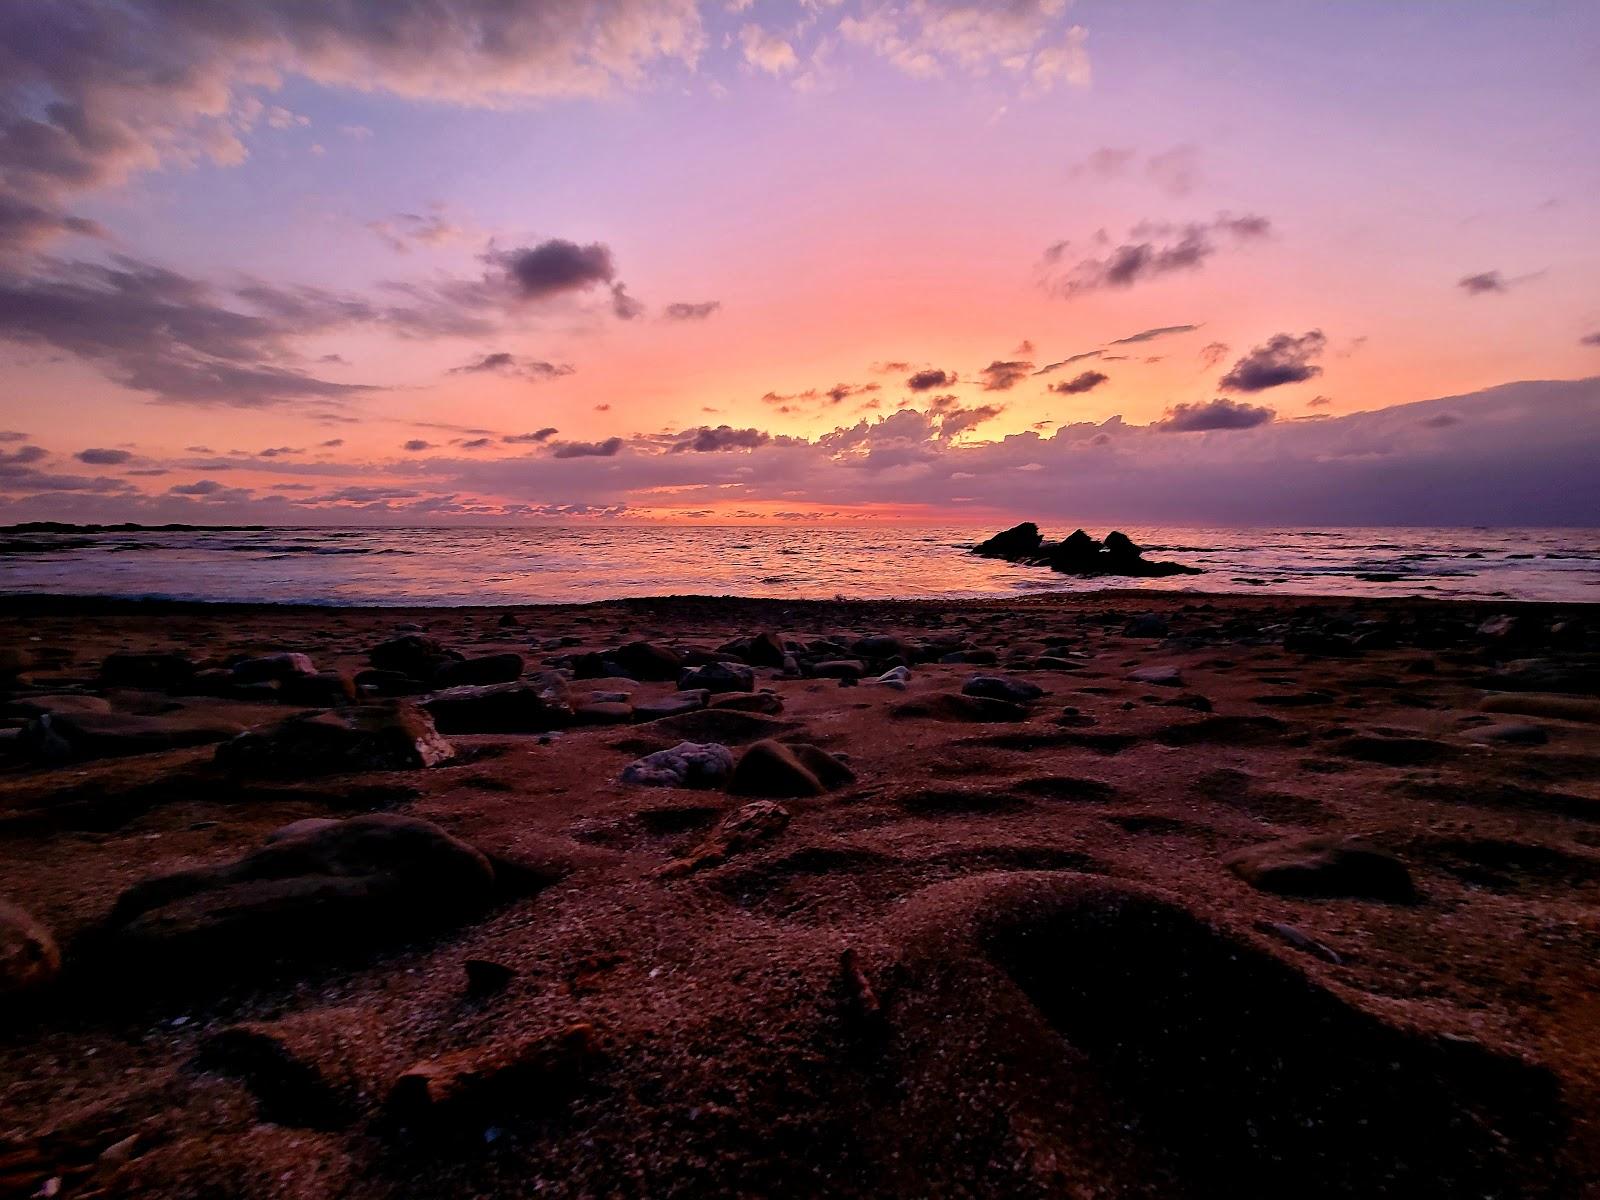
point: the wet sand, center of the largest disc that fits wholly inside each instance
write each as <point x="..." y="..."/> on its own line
<point x="1033" y="947"/>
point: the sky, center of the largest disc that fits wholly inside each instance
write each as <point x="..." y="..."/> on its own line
<point x="434" y="261"/>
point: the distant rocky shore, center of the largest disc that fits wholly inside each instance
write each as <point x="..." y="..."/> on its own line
<point x="1078" y="554"/>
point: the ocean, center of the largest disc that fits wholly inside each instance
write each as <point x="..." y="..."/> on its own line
<point x="565" y="564"/>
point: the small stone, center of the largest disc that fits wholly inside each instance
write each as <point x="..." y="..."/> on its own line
<point x="487" y="669"/>
<point x="386" y="736"/>
<point x="757" y="702"/>
<point x="1146" y="625"/>
<point x="840" y="668"/>
<point x="273" y="666"/>
<point x="672" y="706"/>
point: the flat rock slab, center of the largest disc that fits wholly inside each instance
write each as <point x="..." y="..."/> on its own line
<point x="91" y="734"/>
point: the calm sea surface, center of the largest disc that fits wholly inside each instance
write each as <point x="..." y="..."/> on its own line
<point x="571" y="563"/>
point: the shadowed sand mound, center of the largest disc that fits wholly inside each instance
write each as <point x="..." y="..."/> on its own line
<point x="1141" y="1043"/>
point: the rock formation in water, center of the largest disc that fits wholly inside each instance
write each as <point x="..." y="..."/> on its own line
<point x="1078" y="554"/>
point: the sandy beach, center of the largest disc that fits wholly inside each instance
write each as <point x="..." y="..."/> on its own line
<point x="1103" y="895"/>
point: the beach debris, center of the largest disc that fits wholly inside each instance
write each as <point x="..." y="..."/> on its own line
<point x="742" y="829"/>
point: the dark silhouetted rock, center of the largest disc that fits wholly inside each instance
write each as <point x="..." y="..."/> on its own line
<point x="412" y="654"/>
<point x="646" y="660"/>
<point x="324" y="689"/>
<point x="1146" y="625"/>
<point x="1019" y="541"/>
<point x="1324" y="866"/>
<point x="383" y="736"/>
<point x="777" y="770"/>
<point x="759" y="650"/>
<point x="1513" y="734"/>
<point x="524" y="707"/>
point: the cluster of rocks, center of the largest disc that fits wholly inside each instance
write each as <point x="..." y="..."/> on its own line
<point x="1077" y="554"/>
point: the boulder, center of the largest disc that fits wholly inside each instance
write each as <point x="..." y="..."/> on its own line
<point x="876" y="647"/>
<point x="759" y="650"/>
<point x="383" y="736"/>
<point x="1327" y="866"/>
<point x="159" y="671"/>
<point x="718" y="677"/>
<point x="14" y="661"/>
<point x="29" y="957"/>
<point x="1002" y="687"/>
<point x="331" y="885"/>
<point x="646" y="660"/>
<point x="486" y="669"/>
<point x="525" y="707"/>
<point x="776" y="770"/>
<point x="688" y="764"/>
<point x="1019" y="541"/>
<point x="412" y="654"/>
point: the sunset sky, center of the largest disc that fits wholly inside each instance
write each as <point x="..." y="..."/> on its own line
<point x="436" y="260"/>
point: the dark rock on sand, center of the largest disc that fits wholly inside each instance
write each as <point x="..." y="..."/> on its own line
<point x="718" y="677"/>
<point x="1158" y="676"/>
<point x="759" y="650"/>
<point x="157" y="671"/>
<point x="526" y="707"/>
<point x="840" y="668"/>
<point x="487" y="669"/>
<point x="725" y="725"/>
<point x="1002" y="687"/>
<point x="1512" y="734"/>
<point x="412" y="654"/>
<point x="328" y="885"/>
<point x="1324" y="866"/>
<point x="777" y="770"/>
<point x="384" y="736"/>
<point x="29" y="958"/>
